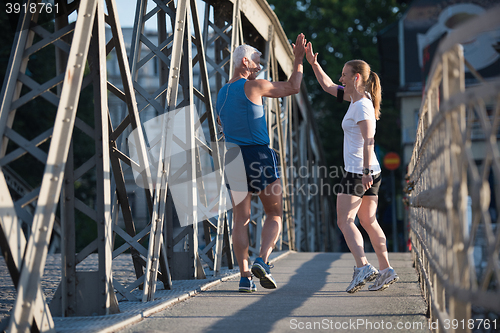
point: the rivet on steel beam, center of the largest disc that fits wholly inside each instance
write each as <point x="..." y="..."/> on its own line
<point x="70" y="293"/>
<point x="78" y="65"/>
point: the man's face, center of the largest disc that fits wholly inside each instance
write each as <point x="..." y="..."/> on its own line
<point x="254" y="66"/>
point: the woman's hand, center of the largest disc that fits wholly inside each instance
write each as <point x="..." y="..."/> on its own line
<point x="311" y="57"/>
<point x="367" y="181"/>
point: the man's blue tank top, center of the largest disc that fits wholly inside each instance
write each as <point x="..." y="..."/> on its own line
<point x="243" y="122"/>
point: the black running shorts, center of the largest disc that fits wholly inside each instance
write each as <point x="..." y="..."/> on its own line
<point x="351" y="184"/>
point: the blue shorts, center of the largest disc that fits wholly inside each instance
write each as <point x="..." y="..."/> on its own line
<point x="261" y="166"/>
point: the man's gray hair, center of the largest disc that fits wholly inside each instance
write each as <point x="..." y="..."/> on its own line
<point x="244" y="51"/>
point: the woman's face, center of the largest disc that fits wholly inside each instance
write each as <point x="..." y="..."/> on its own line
<point x="347" y="79"/>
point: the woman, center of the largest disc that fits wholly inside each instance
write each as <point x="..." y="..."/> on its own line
<point x="360" y="185"/>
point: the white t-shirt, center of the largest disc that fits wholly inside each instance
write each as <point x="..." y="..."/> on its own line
<point x="353" y="140"/>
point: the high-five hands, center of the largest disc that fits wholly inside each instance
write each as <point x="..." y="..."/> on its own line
<point x="312" y="57"/>
<point x="299" y="48"/>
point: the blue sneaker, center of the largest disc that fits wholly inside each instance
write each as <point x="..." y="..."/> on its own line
<point x="247" y="285"/>
<point x="263" y="271"/>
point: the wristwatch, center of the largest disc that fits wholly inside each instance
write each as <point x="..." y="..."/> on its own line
<point x="367" y="171"/>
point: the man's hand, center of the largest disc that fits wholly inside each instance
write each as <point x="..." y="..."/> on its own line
<point x="312" y="57"/>
<point x="299" y="48"/>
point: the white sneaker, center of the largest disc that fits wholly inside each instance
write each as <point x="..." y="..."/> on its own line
<point x="360" y="277"/>
<point x="384" y="280"/>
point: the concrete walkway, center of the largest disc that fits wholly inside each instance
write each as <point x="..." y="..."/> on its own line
<point x="310" y="297"/>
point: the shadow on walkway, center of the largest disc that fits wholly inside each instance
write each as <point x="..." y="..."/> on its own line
<point x="278" y="304"/>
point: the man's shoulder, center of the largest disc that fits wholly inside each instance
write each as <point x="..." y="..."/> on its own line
<point x="257" y="83"/>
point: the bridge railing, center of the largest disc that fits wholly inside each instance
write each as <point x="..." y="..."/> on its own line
<point x="454" y="188"/>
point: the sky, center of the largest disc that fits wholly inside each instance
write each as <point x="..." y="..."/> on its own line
<point x="127" y="8"/>
<point x="126" y="13"/>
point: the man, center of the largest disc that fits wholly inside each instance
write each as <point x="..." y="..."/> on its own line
<point x="241" y="114"/>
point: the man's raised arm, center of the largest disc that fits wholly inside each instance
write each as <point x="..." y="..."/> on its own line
<point x="285" y="88"/>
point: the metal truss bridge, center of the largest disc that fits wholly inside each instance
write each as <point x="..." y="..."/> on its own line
<point x="131" y="171"/>
<point x="453" y="189"/>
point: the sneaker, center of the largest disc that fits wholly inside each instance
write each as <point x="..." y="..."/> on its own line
<point x="247" y="285"/>
<point x="263" y="271"/>
<point x="384" y="280"/>
<point x="360" y="276"/>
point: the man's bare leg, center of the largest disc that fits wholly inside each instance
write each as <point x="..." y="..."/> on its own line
<point x="241" y="218"/>
<point x="272" y="200"/>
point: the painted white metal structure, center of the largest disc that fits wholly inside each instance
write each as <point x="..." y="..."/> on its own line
<point x="183" y="40"/>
